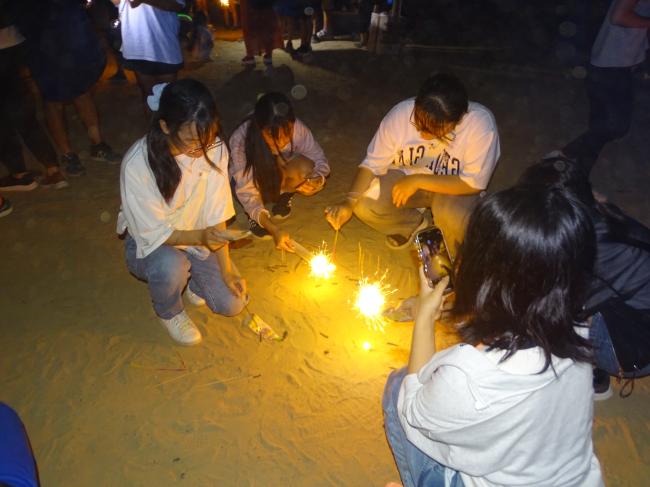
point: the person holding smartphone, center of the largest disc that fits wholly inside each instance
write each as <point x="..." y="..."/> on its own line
<point x="274" y="156"/>
<point x="437" y="150"/>
<point x="512" y="404"/>
<point x="176" y="200"/>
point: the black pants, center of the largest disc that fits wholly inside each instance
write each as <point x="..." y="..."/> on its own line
<point x="611" y="100"/>
<point x="18" y="122"/>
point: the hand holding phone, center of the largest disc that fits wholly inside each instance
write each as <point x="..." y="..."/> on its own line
<point x="433" y="253"/>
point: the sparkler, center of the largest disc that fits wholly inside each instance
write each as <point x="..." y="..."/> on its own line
<point x="371" y="300"/>
<point x="320" y="264"/>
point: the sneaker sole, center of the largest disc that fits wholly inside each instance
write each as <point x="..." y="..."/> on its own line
<point x="603" y="396"/>
<point x="406" y="244"/>
<point x="59" y="185"/>
<point x="21" y="187"/>
<point x="185" y="344"/>
<point x="280" y="217"/>
<point x="107" y="161"/>
<point x="6" y="211"/>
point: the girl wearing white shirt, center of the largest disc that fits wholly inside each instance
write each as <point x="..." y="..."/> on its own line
<point x="274" y="156"/>
<point x="513" y="404"/>
<point x="436" y="151"/>
<point x="176" y="200"/>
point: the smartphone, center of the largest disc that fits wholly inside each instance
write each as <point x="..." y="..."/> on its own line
<point x="432" y="250"/>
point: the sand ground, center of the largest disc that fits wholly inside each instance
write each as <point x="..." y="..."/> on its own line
<point x="82" y="353"/>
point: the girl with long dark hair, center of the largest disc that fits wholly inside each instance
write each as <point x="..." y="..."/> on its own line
<point x="176" y="200"/>
<point x="512" y="405"/>
<point x="274" y="156"/>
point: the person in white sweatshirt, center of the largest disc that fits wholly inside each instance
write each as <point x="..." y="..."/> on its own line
<point x="437" y="150"/>
<point x="512" y="405"/>
<point x="274" y="156"/>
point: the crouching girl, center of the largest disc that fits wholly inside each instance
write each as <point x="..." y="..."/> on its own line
<point x="274" y="156"/>
<point x="175" y="202"/>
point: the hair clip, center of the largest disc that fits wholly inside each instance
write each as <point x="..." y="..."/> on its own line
<point x="153" y="100"/>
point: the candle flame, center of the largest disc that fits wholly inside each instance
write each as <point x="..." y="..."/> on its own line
<point x="321" y="266"/>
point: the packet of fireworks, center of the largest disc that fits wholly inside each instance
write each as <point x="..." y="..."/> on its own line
<point x="404" y="312"/>
<point x="260" y="328"/>
<point x="232" y="234"/>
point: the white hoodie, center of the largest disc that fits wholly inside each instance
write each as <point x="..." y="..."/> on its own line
<point x="504" y="423"/>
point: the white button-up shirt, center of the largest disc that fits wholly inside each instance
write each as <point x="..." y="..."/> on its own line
<point x="202" y="198"/>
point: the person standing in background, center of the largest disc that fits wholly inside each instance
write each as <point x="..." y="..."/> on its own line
<point x="18" y="122"/>
<point x="617" y="52"/>
<point x="261" y="30"/>
<point x="66" y="60"/>
<point x="150" y="43"/>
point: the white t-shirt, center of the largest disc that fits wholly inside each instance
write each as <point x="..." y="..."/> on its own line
<point x="149" y="33"/>
<point x="621" y="47"/>
<point x="472" y="154"/>
<point x="202" y="198"/>
<point x="503" y="423"/>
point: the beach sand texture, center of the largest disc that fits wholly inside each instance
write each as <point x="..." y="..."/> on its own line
<point x="83" y="357"/>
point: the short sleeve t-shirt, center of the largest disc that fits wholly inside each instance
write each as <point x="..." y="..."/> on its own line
<point x="150" y="33"/>
<point x="471" y="152"/>
<point x="202" y="198"/>
<point x="621" y="47"/>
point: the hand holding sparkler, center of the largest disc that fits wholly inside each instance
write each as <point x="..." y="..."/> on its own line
<point x="339" y="214"/>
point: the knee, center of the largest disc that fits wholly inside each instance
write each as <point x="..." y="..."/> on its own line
<point x="169" y="266"/>
<point x="300" y="167"/>
<point x="227" y="305"/>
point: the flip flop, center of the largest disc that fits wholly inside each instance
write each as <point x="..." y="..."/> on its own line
<point x="397" y="241"/>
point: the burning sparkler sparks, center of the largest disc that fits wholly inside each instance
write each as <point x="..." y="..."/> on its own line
<point x="371" y="301"/>
<point x="321" y="266"/>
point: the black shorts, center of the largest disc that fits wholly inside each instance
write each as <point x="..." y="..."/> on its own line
<point x="151" y="68"/>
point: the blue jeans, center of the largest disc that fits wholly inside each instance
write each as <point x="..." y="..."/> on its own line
<point x="167" y="271"/>
<point x="415" y="468"/>
<point x="604" y="349"/>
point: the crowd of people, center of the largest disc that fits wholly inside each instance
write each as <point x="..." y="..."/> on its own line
<point x="551" y="283"/>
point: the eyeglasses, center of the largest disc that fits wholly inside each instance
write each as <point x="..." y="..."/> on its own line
<point x="447" y="138"/>
<point x="198" y="151"/>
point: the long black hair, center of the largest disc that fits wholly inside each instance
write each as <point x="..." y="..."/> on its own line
<point x="273" y="112"/>
<point x="523" y="272"/>
<point x="565" y="174"/>
<point x="181" y="102"/>
<point x="442" y="100"/>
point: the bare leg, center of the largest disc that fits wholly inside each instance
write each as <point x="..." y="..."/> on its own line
<point x="147" y="82"/>
<point x="55" y="120"/>
<point x="87" y="111"/>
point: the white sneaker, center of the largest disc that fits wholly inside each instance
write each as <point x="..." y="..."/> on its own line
<point x="192" y="297"/>
<point x="182" y="329"/>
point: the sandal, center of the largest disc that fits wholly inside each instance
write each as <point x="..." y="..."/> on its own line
<point x="397" y="241"/>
